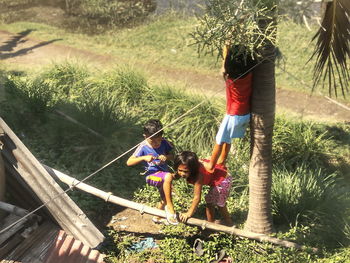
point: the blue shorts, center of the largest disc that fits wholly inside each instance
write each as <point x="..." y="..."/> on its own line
<point x="232" y="126"/>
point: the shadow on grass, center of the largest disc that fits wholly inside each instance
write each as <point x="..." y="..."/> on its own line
<point x="70" y="148"/>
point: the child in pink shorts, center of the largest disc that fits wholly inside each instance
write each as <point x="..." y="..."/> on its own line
<point x="188" y="166"/>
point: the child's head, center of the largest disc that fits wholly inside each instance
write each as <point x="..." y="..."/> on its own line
<point x="186" y="165"/>
<point x="150" y="128"/>
<point x="237" y="66"/>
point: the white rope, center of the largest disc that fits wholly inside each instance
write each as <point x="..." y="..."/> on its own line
<point x="121" y="155"/>
<point x="108" y="196"/>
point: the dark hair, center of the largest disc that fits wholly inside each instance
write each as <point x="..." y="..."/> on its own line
<point x="153" y="126"/>
<point x="237" y="65"/>
<point x="190" y="159"/>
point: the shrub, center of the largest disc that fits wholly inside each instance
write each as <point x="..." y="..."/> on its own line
<point x="310" y="197"/>
<point x="110" y="12"/>
<point x="295" y="142"/>
<point x="36" y="94"/>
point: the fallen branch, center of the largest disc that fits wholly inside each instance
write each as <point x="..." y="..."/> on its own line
<point x="108" y="197"/>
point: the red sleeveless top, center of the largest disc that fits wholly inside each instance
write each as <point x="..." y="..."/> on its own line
<point x="212" y="179"/>
<point x="238" y="94"/>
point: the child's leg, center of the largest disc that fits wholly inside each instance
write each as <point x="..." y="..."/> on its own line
<point x="224" y="152"/>
<point x="210" y="212"/>
<point x="226" y="215"/>
<point x="215" y="156"/>
<point x="157" y="180"/>
<point x="161" y="205"/>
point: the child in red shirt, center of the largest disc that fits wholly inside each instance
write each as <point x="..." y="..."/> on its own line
<point x="236" y="72"/>
<point x="187" y="165"/>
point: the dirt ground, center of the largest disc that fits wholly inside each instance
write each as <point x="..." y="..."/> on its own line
<point x="21" y="49"/>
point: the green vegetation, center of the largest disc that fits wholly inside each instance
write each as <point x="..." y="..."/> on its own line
<point x="310" y="190"/>
<point x="164" y="42"/>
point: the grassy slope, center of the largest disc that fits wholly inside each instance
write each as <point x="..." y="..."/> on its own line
<point x="165" y="42"/>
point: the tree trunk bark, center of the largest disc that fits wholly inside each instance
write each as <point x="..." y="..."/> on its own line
<point x="261" y="128"/>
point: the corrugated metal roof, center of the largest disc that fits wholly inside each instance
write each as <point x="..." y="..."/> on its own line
<point x="28" y="170"/>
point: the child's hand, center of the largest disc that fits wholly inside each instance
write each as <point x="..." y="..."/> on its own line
<point x="162" y="158"/>
<point x="148" y="158"/>
<point x="184" y="217"/>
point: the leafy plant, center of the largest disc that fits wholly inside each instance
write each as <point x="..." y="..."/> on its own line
<point x="296" y="142"/>
<point x="235" y="23"/>
<point x="310" y="197"/>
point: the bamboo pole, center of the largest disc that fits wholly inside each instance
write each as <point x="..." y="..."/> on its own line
<point x="108" y="197"/>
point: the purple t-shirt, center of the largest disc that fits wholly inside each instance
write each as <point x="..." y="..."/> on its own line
<point x="145" y="149"/>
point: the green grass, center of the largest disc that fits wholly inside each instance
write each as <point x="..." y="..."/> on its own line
<point x="164" y="43"/>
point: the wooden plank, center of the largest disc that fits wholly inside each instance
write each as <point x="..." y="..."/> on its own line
<point x="2" y="179"/>
<point x="21" y="194"/>
<point x="68" y="215"/>
<point x="2" y="182"/>
<point x="10" y="245"/>
<point x="12" y="209"/>
<point x="13" y="230"/>
<point x="34" y="239"/>
<point x="38" y="252"/>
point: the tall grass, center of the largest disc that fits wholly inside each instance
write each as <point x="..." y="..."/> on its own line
<point x="311" y="197"/>
<point x="296" y="142"/>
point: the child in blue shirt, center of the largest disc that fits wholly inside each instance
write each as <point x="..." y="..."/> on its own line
<point x="153" y="153"/>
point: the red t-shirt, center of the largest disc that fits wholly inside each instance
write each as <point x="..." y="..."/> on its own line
<point x="212" y="179"/>
<point x="238" y="94"/>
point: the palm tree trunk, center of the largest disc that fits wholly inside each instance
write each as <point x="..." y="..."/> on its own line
<point x="262" y="121"/>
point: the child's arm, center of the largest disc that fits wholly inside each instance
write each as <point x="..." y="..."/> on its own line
<point x="195" y="201"/>
<point x="168" y="153"/>
<point x="166" y="157"/>
<point x="133" y="160"/>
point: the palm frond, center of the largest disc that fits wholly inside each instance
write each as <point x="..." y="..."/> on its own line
<point x="332" y="48"/>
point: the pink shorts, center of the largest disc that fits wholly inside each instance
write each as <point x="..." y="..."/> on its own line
<point x="218" y="194"/>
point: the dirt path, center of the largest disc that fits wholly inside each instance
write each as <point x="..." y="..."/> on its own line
<point x="21" y="50"/>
